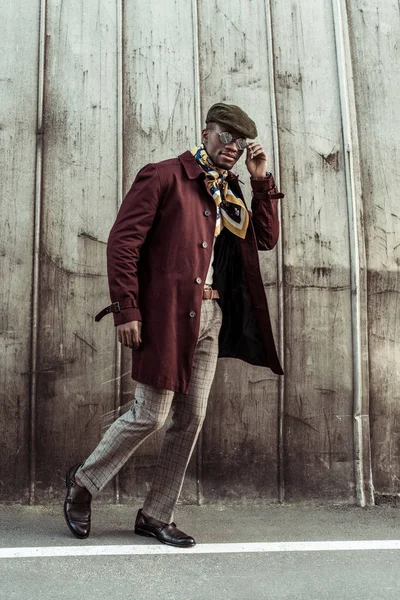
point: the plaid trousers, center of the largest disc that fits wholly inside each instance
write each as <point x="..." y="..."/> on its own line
<point x="148" y="413"/>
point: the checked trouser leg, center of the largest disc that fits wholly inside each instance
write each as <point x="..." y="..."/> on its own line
<point x="148" y="413"/>
<point x="188" y="416"/>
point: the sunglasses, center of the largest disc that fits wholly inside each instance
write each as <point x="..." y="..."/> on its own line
<point x="226" y="138"/>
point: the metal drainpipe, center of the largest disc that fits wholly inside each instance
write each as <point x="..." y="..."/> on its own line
<point x="359" y="450"/>
<point x="197" y="108"/>
<point x="281" y="312"/>
<point x="36" y="247"/>
<point x="120" y="185"/>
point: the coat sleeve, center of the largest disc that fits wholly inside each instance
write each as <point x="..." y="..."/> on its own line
<point x="264" y="209"/>
<point x="127" y="235"/>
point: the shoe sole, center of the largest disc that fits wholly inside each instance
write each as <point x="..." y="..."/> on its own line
<point x="80" y="537"/>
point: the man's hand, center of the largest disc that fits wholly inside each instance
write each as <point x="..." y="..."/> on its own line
<point x="256" y="160"/>
<point x="130" y="334"/>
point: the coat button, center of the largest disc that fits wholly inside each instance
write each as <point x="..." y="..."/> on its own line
<point x="207" y="213"/>
<point x="198" y="280"/>
<point x="204" y="244"/>
<point x="192" y="314"/>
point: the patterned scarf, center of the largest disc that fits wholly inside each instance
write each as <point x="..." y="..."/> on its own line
<point x="231" y="210"/>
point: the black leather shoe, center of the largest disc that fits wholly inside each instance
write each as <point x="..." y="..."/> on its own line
<point x="77" y="506"/>
<point x="167" y="533"/>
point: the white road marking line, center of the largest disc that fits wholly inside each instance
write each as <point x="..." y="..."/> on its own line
<point x="129" y="550"/>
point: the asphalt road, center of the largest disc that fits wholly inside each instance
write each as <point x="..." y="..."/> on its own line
<point x="227" y="573"/>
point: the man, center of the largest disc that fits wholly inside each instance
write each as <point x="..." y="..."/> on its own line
<point x="186" y="287"/>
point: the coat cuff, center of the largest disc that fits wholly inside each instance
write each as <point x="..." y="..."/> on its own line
<point x="127" y="315"/>
<point x="265" y="188"/>
<point x="123" y="312"/>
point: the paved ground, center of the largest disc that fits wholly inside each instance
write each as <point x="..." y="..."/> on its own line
<point x="225" y="573"/>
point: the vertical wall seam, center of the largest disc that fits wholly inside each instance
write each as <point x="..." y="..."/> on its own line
<point x="281" y="311"/>
<point x="352" y="172"/>
<point x="120" y="102"/>
<point x="120" y="191"/>
<point x="36" y="248"/>
<point x="197" y="116"/>
<point x="196" y="66"/>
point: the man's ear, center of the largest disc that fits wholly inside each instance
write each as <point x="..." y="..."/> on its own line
<point x="204" y="135"/>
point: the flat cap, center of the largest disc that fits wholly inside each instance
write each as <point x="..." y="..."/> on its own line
<point x="233" y="117"/>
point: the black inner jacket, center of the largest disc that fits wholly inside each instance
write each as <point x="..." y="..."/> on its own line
<point x="240" y="334"/>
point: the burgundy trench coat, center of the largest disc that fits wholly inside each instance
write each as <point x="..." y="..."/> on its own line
<point x="158" y="255"/>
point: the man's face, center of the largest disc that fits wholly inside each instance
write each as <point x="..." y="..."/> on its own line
<point x="224" y="156"/>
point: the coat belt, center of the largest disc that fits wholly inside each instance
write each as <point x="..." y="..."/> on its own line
<point x="115" y="308"/>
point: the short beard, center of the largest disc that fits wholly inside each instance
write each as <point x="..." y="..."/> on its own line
<point x="218" y="165"/>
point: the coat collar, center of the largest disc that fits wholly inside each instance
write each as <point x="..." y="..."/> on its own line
<point x="193" y="170"/>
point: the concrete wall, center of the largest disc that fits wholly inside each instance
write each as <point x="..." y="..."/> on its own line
<point x="89" y="92"/>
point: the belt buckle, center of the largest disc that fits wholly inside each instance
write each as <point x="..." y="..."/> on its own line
<point x="116" y="308"/>
<point x="207" y="294"/>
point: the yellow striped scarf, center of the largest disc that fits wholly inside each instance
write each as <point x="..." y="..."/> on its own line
<point x="231" y="210"/>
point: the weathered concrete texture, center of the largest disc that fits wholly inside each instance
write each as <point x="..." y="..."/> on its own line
<point x="364" y="575"/>
<point x="375" y="56"/>
<point x="18" y="88"/>
<point x="122" y="90"/>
